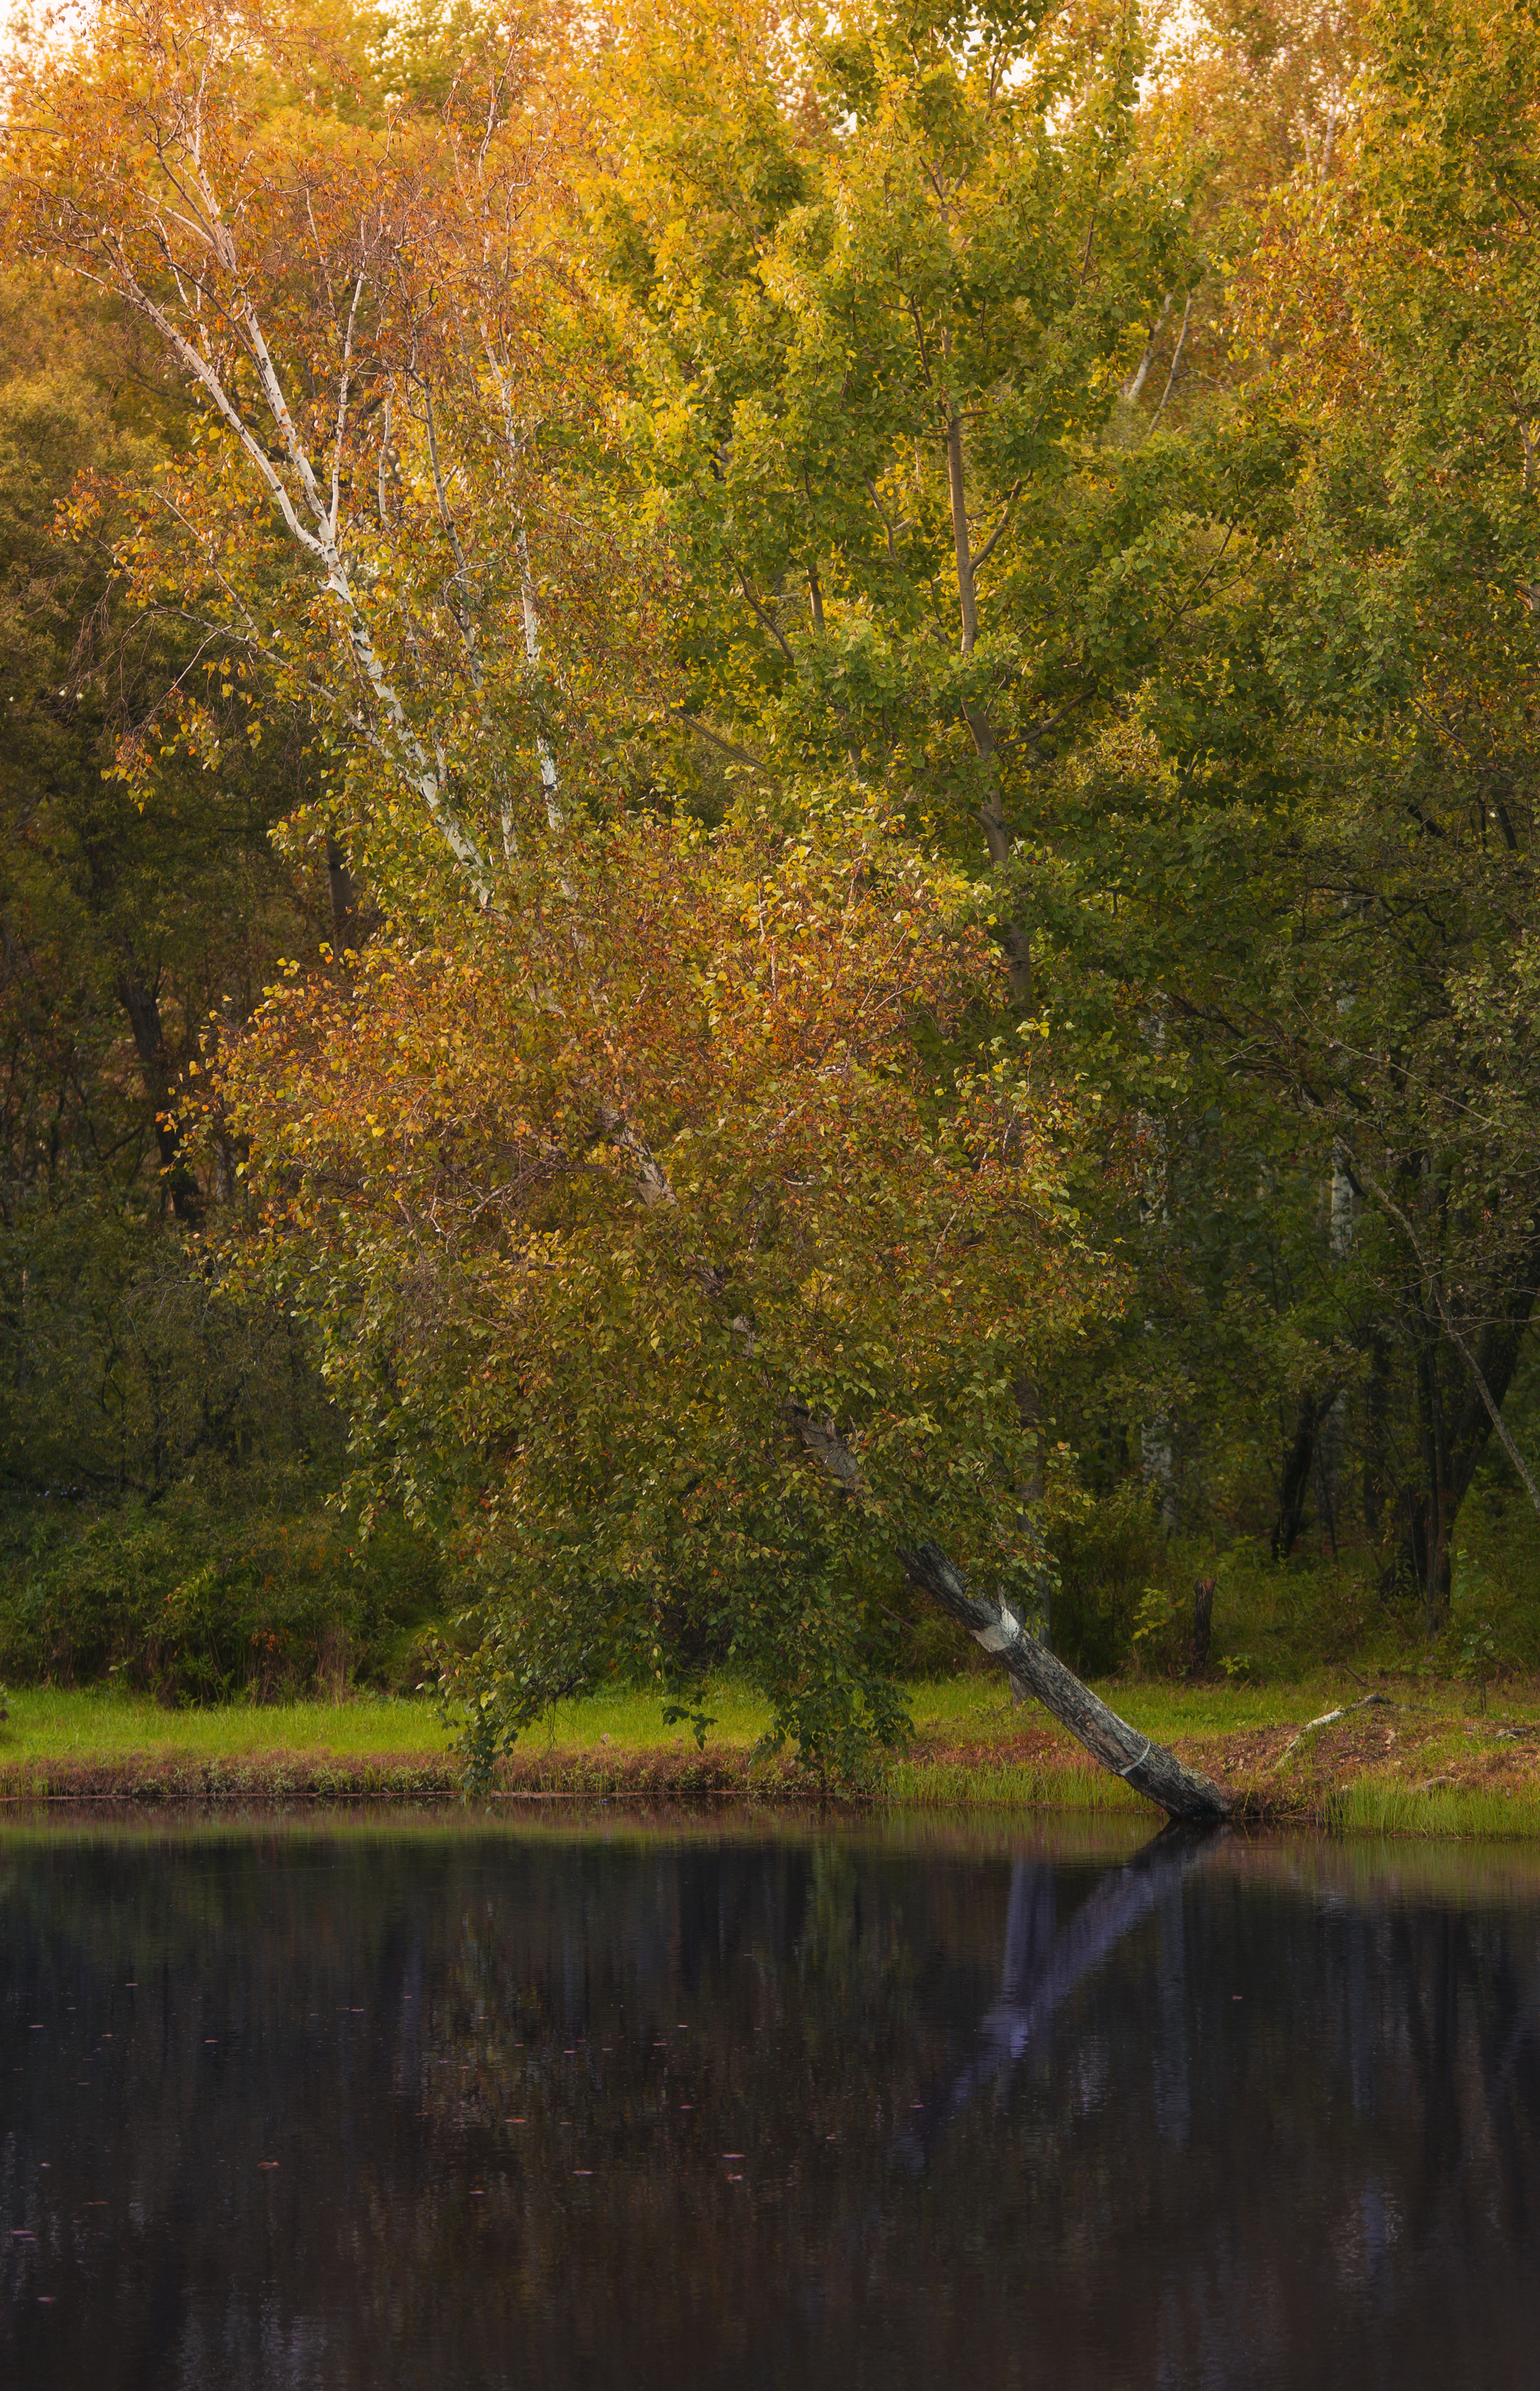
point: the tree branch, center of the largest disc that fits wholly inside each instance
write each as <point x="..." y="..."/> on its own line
<point x="1175" y="361"/>
<point x="727" y="746"/>
<point x="764" y="615"/>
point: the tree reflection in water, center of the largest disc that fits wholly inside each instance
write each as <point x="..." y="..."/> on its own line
<point x="1044" y="1961"/>
<point x="794" y="2106"/>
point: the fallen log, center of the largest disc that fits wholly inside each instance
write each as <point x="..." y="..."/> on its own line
<point x="1329" y="1718"/>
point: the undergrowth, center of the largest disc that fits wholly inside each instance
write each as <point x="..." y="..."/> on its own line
<point x="194" y="1600"/>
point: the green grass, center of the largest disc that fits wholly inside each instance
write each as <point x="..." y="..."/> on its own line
<point x="976" y="1705"/>
<point x="100" y="1723"/>
<point x="1372" y="1807"/>
<point x="633" y="1722"/>
<point x="941" y="1784"/>
<point x="953" y="1768"/>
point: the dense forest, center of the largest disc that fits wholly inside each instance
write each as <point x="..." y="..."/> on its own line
<point x="768" y="795"/>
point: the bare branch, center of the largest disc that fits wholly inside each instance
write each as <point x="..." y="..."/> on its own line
<point x="1329" y="1718"/>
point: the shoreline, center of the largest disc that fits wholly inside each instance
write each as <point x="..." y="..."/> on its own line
<point x="1332" y="1783"/>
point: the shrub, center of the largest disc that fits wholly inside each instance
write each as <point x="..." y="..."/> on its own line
<point x="1108" y="1558"/>
<point x="194" y="1604"/>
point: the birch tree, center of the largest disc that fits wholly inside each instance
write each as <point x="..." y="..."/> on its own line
<point x="371" y="316"/>
<point x="364" y="300"/>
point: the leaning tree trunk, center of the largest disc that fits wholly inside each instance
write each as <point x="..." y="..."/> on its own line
<point x="1148" y="1766"/>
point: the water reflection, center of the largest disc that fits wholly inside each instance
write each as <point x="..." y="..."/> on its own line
<point x="1044" y="1960"/>
<point x="808" y="2107"/>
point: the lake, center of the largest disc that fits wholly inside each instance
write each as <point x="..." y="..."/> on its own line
<point x="727" y="2098"/>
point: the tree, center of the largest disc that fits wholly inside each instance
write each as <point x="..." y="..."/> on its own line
<point x="1303" y="849"/>
<point x="125" y="918"/>
<point x="362" y="299"/>
<point x="1401" y="654"/>
<point x="720" y="1409"/>
<point x="878" y="284"/>
<point x="392" y="260"/>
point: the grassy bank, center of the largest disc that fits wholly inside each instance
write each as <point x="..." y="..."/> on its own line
<point x="1417" y="1759"/>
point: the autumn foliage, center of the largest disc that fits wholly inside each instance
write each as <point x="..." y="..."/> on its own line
<point x="609" y="1208"/>
<point x="787" y="553"/>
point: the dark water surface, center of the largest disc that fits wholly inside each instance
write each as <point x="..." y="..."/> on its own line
<point x="419" y="2106"/>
